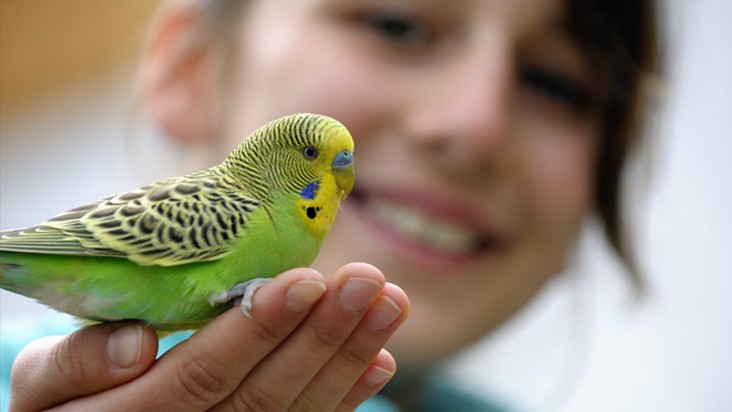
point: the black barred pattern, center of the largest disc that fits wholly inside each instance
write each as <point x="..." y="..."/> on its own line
<point x="180" y="220"/>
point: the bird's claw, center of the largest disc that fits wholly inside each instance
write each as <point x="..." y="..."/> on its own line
<point x="241" y="294"/>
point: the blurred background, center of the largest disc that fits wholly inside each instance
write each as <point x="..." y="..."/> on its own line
<point x="69" y="135"/>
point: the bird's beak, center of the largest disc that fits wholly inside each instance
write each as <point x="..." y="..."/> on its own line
<point x="343" y="171"/>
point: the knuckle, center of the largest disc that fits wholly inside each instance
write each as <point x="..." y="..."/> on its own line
<point x="267" y="334"/>
<point x="307" y="403"/>
<point x="200" y="384"/>
<point x="252" y="398"/>
<point x="328" y="338"/>
<point x="358" y="357"/>
<point x="68" y="362"/>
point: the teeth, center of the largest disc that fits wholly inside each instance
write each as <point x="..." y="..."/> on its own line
<point x="421" y="228"/>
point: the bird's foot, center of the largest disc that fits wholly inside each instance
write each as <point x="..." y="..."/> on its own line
<point x="241" y="294"/>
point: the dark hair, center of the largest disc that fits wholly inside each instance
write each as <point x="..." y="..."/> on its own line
<point x="620" y="39"/>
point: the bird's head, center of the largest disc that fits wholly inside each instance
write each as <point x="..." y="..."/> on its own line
<point x="301" y="153"/>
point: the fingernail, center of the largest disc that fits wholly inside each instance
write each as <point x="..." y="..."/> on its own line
<point x="303" y="294"/>
<point x="124" y="344"/>
<point x="382" y="314"/>
<point x="357" y="293"/>
<point x="375" y="376"/>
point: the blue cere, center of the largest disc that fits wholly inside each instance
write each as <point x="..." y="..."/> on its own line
<point x="309" y="191"/>
<point x="343" y="159"/>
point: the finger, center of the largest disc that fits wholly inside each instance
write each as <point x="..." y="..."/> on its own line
<point x="198" y="373"/>
<point x="53" y="370"/>
<point x="371" y="381"/>
<point x="341" y="373"/>
<point x="278" y="380"/>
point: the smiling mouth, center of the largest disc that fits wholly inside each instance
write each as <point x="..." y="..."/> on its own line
<point x="431" y="231"/>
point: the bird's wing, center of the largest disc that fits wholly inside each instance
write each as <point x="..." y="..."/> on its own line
<point x="180" y="220"/>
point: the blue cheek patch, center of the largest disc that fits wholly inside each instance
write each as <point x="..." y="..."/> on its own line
<point x="309" y="191"/>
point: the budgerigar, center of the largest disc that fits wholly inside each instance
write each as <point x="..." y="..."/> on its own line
<point x="176" y="252"/>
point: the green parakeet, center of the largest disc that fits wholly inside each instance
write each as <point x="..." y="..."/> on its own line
<point x="176" y="252"/>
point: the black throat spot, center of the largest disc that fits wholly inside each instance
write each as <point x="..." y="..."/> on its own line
<point x="312" y="211"/>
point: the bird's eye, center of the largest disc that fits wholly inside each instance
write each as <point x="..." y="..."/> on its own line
<point x="310" y="153"/>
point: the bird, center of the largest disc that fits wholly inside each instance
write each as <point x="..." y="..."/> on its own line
<point x="177" y="253"/>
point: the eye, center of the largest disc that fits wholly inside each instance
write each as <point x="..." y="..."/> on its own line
<point x="310" y="153"/>
<point x="399" y="28"/>
<point x="557" y="86"/>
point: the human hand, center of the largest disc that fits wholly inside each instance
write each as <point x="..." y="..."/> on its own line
<point x="310" y="344"/>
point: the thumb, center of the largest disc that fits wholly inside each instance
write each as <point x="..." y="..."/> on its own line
<point x="54" y="370"/>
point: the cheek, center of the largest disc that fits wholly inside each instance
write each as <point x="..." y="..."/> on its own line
<point x="560" y="176"/>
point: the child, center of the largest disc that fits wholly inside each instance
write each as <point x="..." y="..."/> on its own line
<point x="486" y="133"/>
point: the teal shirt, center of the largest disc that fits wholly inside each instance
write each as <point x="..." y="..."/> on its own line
<point x="17" y="332"/>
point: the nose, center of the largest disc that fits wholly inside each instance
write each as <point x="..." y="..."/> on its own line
<point x="464" y="108"/>
<point x="343" y="159"/>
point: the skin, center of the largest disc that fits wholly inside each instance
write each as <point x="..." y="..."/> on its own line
<point x="448" y="124"/>
<point x="445" y="126"/>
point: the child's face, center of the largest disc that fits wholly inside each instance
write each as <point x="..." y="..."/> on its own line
<point x="475" y="144"/>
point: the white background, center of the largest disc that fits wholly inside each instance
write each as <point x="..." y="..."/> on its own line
<point x="585" y="343"/>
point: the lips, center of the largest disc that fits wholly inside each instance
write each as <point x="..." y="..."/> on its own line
<point x="427" y="223"/>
